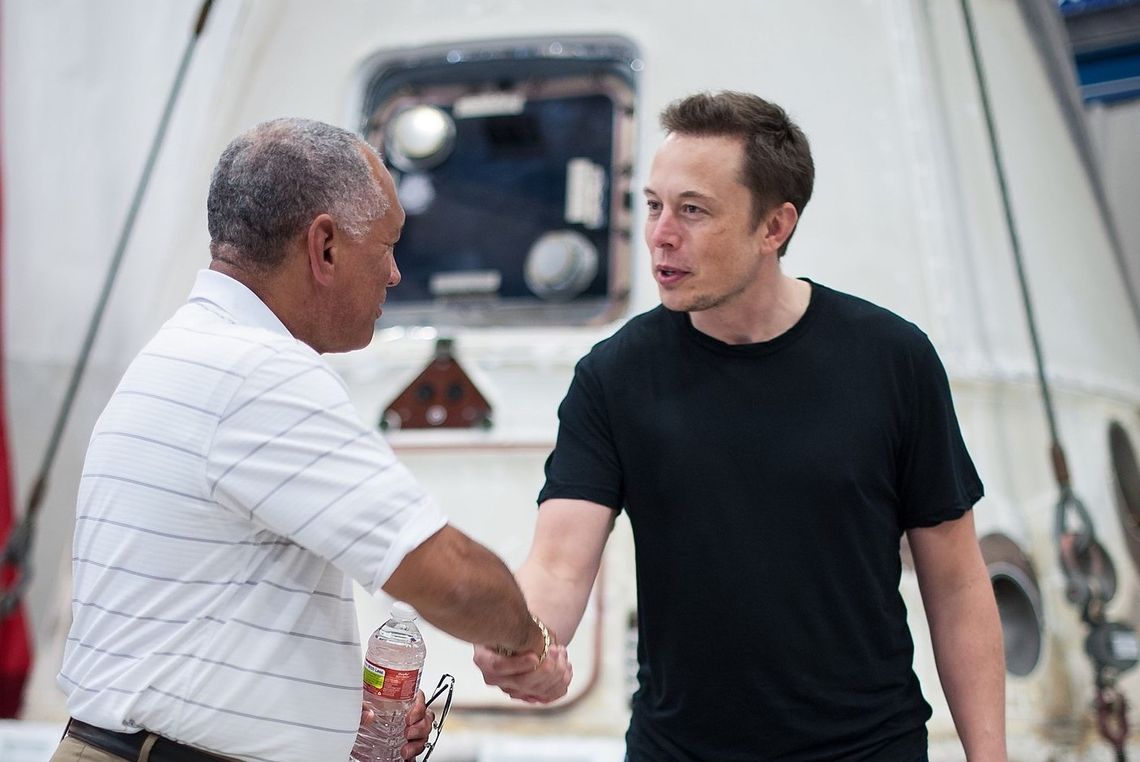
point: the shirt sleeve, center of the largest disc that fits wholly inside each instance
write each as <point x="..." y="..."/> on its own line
<point x="937" y="478"/>
<point x="291" y="454"/>
<point x="584" y="464"/>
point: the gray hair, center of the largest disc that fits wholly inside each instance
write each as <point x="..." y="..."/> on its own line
<point x="274" y="179"/>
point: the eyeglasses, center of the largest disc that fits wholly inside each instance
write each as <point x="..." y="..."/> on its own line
<point x="446" y="685"/>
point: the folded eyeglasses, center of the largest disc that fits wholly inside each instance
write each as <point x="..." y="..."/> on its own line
<point x="446" y="685"/>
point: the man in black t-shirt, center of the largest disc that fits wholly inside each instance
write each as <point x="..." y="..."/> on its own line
<point x="771" y="439"/>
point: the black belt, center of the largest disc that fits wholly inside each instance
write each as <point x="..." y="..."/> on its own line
<point x="129" y="745"/>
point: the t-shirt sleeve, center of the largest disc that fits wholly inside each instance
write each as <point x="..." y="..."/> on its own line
<point x="937" y="478"/>
<point x="291" y="454"/>
<point x="584" y="464"/>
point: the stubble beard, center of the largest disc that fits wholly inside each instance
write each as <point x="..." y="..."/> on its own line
<point x="699" y="302"/>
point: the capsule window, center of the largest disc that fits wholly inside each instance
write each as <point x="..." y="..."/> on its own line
<point x="1018" y="600"/>
<point x="1127" y="477"/>
<point x="512" y="161"/>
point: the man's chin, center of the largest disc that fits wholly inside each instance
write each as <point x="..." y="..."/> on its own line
<point x="677" y="303"/>
<point x="352" y="346"/>
<point x="669" y="300"/>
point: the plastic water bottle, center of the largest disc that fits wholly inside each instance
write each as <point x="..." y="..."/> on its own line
<point x="392" y="668"/>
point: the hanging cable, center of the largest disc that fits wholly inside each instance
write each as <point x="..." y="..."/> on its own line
<point x="18" y="548"/>
<point x="1090" y="579"/>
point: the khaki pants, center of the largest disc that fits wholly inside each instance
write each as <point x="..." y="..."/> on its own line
<point x="73" y="750"/>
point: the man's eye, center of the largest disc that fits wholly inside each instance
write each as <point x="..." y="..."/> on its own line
<point x="691" y="209"/>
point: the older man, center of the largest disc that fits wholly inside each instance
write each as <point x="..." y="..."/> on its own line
<point x="230" y="492"/>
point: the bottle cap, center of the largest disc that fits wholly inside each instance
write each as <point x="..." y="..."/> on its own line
<point x="402" y="612"/>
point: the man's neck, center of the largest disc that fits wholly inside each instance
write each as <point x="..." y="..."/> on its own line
<point x="271" y="289"/>
<point x="763" y="313"/>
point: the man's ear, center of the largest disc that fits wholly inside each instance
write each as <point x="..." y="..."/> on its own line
<point x="320" y="247"/>
<point x="778" y="225"/>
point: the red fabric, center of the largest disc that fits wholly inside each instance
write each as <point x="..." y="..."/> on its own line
<point x="15" y="645"/>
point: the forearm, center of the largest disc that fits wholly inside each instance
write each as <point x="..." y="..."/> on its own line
<point x="965" y="631"/>
<point x="556" y="578"/>
<point x="563" y="563"/>
<point x="465" y="590"/>
<point x="560" y="602"/>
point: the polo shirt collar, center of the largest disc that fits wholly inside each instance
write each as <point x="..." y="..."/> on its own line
<point x="235" y="298"/>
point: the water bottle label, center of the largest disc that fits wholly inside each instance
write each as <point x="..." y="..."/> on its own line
<point x="397" y="684"/>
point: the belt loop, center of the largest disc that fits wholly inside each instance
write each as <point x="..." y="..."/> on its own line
<point x="148" y="744"/>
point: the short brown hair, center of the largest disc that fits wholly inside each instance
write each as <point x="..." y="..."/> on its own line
<point x="777" y="157"/>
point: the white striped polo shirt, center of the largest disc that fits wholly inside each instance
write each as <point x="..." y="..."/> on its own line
<point x="229" y="494"/>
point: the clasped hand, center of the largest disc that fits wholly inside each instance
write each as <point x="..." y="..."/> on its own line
<point x="523" y="677"/>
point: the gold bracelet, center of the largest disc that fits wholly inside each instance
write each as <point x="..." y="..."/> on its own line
<point x="504" y="651"/>
<point x="545" y="638"/>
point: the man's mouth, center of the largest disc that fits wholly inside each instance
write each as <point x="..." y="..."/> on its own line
<point x="667" y="275"/>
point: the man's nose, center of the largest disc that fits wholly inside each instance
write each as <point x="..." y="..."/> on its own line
<point x="663" y="231"/>
<point x="394" y="278"/>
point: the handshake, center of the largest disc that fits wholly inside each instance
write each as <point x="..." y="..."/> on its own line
<point x="537" y="677"/>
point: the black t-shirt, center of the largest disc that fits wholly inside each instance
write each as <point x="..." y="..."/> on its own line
<point x="767" y="486"/>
